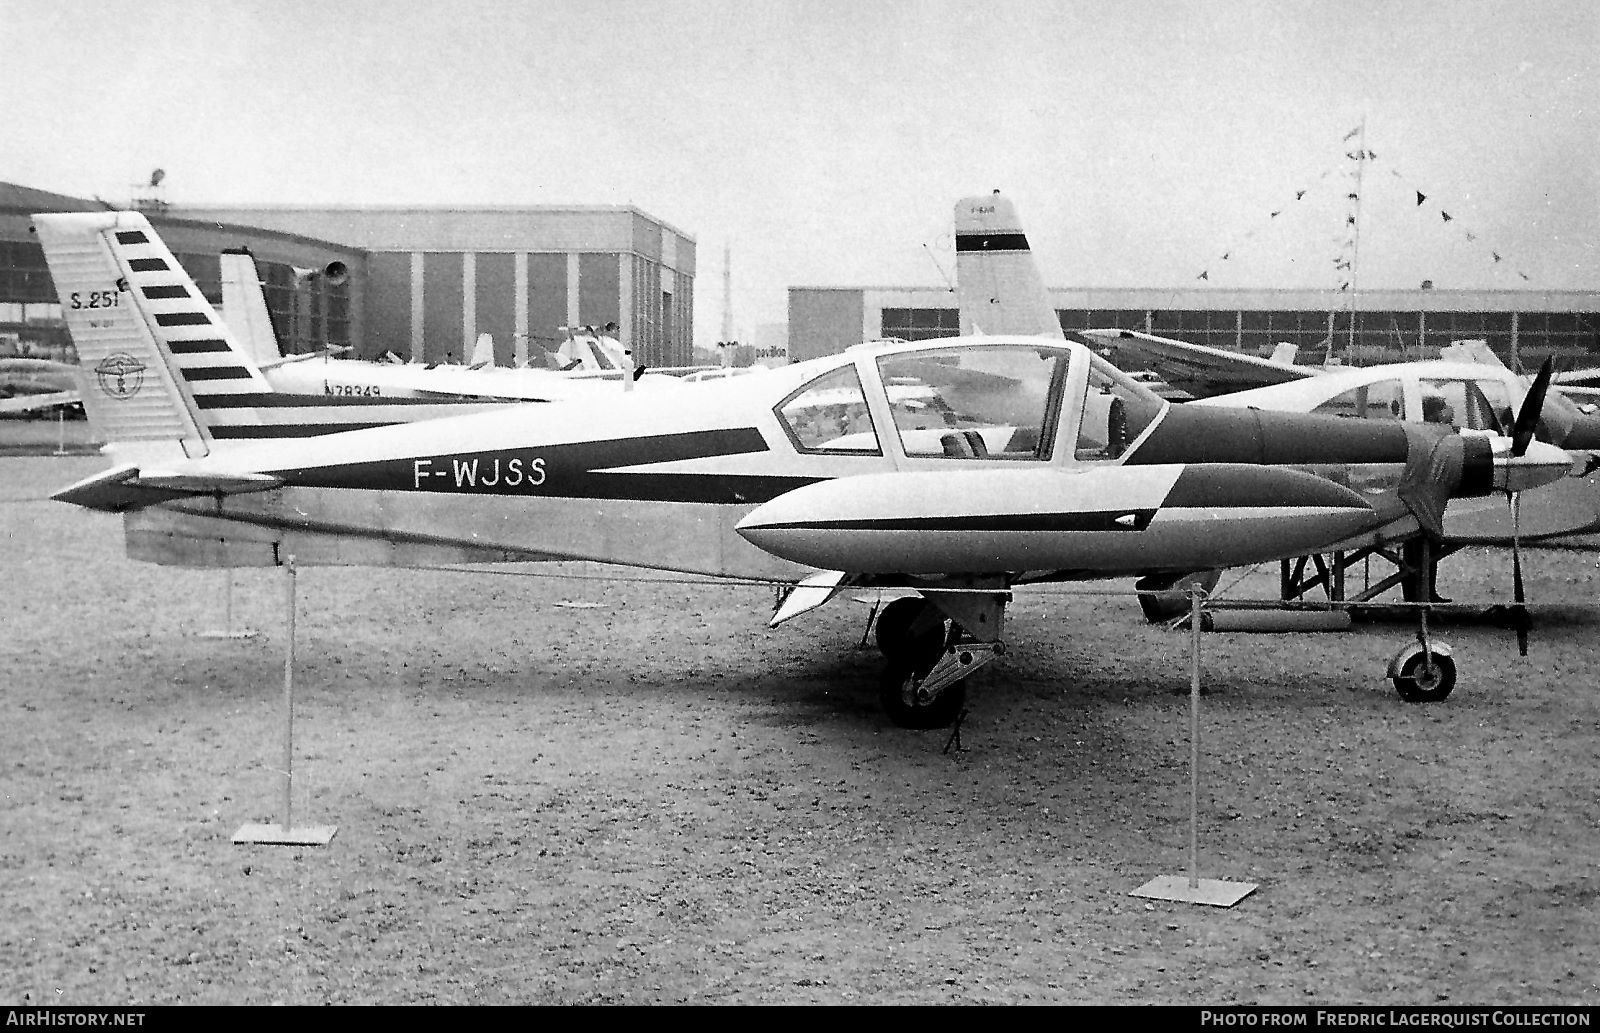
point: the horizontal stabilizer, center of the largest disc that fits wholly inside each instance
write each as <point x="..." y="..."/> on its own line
<point x="322" y="353"/>
<point x="124" y="487"/>
<point x="33" y="403"/>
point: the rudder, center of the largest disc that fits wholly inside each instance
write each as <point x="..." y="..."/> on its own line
<point x="997" y="280"/>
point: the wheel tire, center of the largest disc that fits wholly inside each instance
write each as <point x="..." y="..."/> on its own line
<point x="1414" y="685"/>
<point x="899" y="703"/>
<point x="893" y="627"/>
<point x="909" y="664"/>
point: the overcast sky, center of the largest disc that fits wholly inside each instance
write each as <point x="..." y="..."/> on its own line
<point x="826" y="143"/>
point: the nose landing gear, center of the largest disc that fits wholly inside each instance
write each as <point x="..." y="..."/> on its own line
<point x="929" y="656"/>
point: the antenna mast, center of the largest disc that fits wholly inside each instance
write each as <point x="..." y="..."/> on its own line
<point x="1354" y="222"/>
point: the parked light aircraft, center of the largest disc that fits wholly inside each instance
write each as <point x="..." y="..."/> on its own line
<point x="1468" y="385"/>
<point x="33" y="385"/>
<point x="479" y="381"/>
<point x="585" y="353"/>
<point x="1475" y="398"/>
<point x="1026" y="459"/>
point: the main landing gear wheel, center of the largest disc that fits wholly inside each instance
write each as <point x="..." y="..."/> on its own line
<point x="894" y="622"/>
<point x="1423" y="678"/>
<point x="901" y="689"/>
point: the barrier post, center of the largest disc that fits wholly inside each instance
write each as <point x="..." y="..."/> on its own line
<point x="285" y="834"/>
<point x="1194" y="890"/>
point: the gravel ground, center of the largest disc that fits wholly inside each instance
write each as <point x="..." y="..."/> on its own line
<point x="555" y="790"/>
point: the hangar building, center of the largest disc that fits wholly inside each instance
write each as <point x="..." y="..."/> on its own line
<point x="1381" y="325"/>
<point x="420" y="282"/>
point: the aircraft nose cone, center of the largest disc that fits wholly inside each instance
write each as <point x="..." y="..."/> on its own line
<point x="1542" y="464"/>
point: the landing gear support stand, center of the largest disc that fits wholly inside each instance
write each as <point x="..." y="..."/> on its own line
<point x="286" y="834"/>
<point x="1194" y="890"/>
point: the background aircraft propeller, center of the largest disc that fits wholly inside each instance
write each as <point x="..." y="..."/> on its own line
<point x="1521" y="436"/>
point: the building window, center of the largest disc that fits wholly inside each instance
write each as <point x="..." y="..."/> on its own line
<point x="920" y="324"/>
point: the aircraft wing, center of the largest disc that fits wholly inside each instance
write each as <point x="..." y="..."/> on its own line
<point x="30" y="403"/>
<point x="126" y="487"/>
<point x="939" y="374"/>
<point x="1578" y="395"/>
<point x="1195" y="368"/>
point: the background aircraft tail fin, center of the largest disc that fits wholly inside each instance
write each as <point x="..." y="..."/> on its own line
<point x="1285" y="352"/>
<point x="1470" y="351"/>
<point x="997" y="280"/>
<point x="244" y="308"/>
<point x="483" y="352"/>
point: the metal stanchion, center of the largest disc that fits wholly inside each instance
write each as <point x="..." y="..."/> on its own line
<point x="286" y="834"/>
<point x="1195" y="890"/>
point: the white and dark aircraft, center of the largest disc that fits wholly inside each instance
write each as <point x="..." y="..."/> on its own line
<point x="955" y="469"/>
<point x="478" y="381"/>
<point x="30" y="385"/>
<point x="1466" y="387"/>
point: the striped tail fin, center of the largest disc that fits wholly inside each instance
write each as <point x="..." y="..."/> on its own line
<point x="997" y="280"/>
<point x="155" y="350"/>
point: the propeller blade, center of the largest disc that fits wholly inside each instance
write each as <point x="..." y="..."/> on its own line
<point x="1532" y="408"/>
<point x="1519" y="612"/>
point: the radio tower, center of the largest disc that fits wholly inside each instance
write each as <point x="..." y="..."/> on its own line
<point x="727" y="344"/>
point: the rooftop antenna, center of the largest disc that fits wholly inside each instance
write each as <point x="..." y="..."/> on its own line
<point x="727" y="342"/>
<point x="934" y="259"/>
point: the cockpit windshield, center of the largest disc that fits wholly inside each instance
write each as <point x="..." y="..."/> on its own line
<point x="830" y="415"/>
<point x="993" y="402"/>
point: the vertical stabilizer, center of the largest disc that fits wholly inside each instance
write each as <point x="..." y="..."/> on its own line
<point x="244" y="308"/>
<point x="997" y="281"/>
<point x="1285" y="352"/>
<point x="483" y="352"/>
<point x="1471" y="351"/>
<point x="157" y="353"/>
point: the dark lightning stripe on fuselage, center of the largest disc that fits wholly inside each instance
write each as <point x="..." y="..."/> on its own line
<point x="584" y="469"/>
<point x="287" y="400"/>
<point x="1109" y="520"/>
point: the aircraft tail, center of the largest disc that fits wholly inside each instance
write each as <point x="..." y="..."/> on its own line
<point x="1285" y="352"/>
<point x="483" y="352"/>
<point x="997" y="280"/>
<point x="244" y="308"/>
<point x="155" y="350"/>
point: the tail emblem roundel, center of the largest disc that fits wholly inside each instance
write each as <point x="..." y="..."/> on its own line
<point x="121" y="375"/>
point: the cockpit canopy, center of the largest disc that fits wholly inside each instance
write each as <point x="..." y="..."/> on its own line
<point x="1000" y="401"/>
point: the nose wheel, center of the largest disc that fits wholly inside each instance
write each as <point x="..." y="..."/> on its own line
<point x="1422" y="674"/>
<point x="910" y="704"/>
